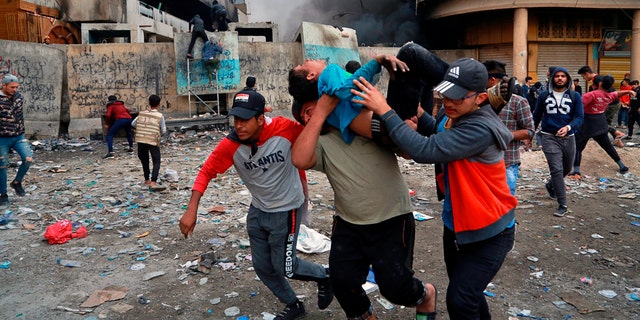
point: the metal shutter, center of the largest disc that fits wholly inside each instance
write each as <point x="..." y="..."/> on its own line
<point x="500" y="52"/>
<point x="570" y="56"/>
<point x="615" y="66"/>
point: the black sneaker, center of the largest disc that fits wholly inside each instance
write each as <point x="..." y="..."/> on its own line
<point x="628" y="137"/>
<point x="108" y="155"/>
<point x="325" y="293"/>
<point x="624" y="169"/>
<point x="552" y="193"/>
<point x="130" y="150"/>
<point x="292" y="311"/>
<point x="561" y="211"/>
<point x="17" y="186"/>
<point x="4" y="199"/>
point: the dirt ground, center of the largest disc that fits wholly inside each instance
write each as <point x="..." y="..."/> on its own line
<point x="541" y="277"/>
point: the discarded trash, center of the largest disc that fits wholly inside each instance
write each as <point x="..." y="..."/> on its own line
<point x="633" y="215"/>
<point x="142" y="235"/>
<point x="62" y="231"/>
<point x="6" y="218"/>
<point x="69" y="263"/>
<point x="171" y="175"/>
<point x="532" y="258"/>
<point x="124" y="234"/>
<point x="586" y="280"/>
<point x="608" y="293"/>
<point x="421" y="216"/>
<point x="152" y="275"/>
<point x="214" y="301"/>
<point x="634" y="296"/>
<point x="538" y="274"/>
<point x="103" y="295"/>
<point x="232" y="311"/>
<point x="385" y="303"/>
<point x="5" y="264"/>
<point x="137" y="266"/>
<point x="489" y="294"/>
<point x="597" y="236"/>
<point x="143" y="300"/>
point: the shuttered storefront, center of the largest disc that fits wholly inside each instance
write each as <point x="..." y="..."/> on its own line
<point x="500" y="52"/>
<point x="615" y="66"/>
<point x="570" y="56"/>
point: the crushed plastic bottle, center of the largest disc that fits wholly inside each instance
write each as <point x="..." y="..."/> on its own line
<point x="69" y="263"/>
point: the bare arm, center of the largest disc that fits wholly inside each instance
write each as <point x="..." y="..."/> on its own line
<point x="303" y="152"/>
<point x="372" y="98"/>
<point x="188" y="220"/>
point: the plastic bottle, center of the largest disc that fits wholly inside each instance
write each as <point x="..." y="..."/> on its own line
<point x="69" y="263"/>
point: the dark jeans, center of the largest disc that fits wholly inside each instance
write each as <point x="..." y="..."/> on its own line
<point x="194" y="36"/>
<point x="143" y="154"/>
<point x="387" y="247"/>
<point x="273" y="237"/>
<point x="560" y="153"/>
<point x="410" y="88"/>
<point x="470" y="268"/>
<point x="603" y="142"/>
<point x="634" y="118"/>
<point x="113" y="130"/>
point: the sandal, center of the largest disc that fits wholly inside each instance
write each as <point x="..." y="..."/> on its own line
<point x="575" y="176"/>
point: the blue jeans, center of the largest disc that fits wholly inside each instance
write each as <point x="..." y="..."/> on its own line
<point x="113" y="130"/>
<point x="470" y="268"/>
<point x="512" y="177"/>
<point x="21" y="146"/>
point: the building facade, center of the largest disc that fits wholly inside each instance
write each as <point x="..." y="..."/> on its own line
<point x="530" y="36"/>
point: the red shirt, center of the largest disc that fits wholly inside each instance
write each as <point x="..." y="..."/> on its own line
<point x="596" y="102"/>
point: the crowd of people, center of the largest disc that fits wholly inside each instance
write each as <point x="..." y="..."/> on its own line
<point x="346" y="128"/>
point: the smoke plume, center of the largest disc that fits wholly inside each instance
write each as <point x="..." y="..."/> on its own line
<point x="389" y="22"/>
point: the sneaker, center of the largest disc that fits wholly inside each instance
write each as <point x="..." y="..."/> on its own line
<point x="291" y="312"/>
<point x="622" y="170"/>
<point x="130" y="150"/>
<point x="108" y="155"/>
<point x="628" y="137"/>
<point x="552" y="193"/>
<point x="4" y="199"/>
<point x="561" y="211"/>
<point x="17" y="186"/>
<point x="189" y="56"/>
<point x="325" y="293"/>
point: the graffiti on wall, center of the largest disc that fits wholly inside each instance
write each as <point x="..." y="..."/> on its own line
<point x="36" y="85"/>
<point x="271" y="77"/>
<point x="130" y="73"/>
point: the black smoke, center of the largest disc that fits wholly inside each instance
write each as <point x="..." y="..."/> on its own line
<point x="388" y="22"/>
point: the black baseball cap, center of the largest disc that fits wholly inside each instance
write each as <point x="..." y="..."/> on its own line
<point x="247" y="104"/>
<point x="464" y="75"/>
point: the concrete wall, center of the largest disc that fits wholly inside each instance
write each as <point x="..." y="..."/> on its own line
<point x="40" y="70"/>
<point x="270" y="64"/>
<point x="66" y="86"/>
<point x="132" y="72"/>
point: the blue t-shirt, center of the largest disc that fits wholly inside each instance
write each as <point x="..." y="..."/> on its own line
<point x="337" y="82"/>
